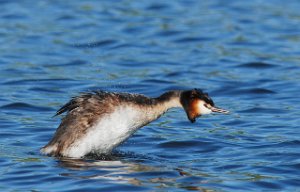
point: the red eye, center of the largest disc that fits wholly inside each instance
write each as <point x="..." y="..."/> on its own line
<point x="206" y="105"/>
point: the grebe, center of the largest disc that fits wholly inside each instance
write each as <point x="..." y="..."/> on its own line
<point x="99" y="121"/>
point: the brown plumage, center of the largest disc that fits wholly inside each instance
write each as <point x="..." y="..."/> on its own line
<point x="89" y="111"/>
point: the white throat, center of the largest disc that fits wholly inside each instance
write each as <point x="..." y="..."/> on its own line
<point x="204" y="110"/>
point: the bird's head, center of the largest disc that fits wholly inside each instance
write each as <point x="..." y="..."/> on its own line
<point x="197" y="103"/>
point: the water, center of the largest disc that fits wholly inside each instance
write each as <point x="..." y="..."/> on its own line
<point x="245" y="54"/>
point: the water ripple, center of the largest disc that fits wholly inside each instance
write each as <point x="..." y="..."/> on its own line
<point x="193" y="39"/>
<point x="258" y="65"/>
<point x="102" y="43"/>
<point x="25" y="107"/>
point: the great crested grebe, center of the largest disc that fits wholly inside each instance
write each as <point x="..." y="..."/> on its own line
<point x="99" y="121"/>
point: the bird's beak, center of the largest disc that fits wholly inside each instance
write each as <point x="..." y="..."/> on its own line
<point x="219" y="110"/>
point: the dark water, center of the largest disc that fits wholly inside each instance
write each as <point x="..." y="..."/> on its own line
<point x="246" y="54"/>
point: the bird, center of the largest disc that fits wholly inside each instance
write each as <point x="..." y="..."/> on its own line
<point x="97" y="122"/>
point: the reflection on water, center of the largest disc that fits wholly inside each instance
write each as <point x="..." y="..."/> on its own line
<point x="121" y="172"/>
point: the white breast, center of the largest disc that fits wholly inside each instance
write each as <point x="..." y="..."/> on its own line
<point x="109" y="132"/>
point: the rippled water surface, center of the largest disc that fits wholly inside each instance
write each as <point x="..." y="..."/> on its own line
<point x="246" y="54"/>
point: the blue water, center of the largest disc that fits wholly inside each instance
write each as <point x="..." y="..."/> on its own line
<point x="246" y="54"/>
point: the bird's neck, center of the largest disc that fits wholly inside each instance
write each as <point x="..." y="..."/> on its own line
<point x="161" y="105"/>
<point x="168" y="100"/>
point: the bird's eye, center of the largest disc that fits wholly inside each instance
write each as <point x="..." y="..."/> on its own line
<point x="206" y="105"/>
